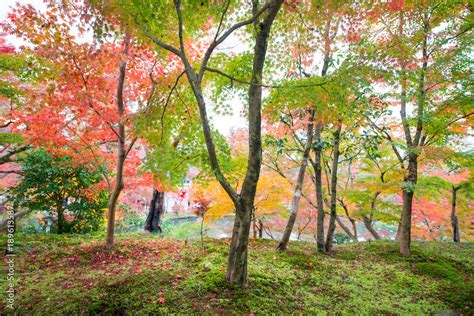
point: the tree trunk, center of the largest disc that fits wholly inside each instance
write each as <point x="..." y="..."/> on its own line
<point x="299" y="187"/>
<point x="368" y="221"/>
<point x="399" y="231"/>
<point x="408" y="193"/>
<point x="335" y="163"/>
<point x="61" y="220"/>
<point x="121" y="152"/>
<point x="237" y="261"/>
<point x="254" y="225"/>
<point x="155" y="212"/>
<point x="319" y="190"/>
<point x="454" y="217"/>
<point x="368" y="224"/>
<point x="260" y="229"/>
<point x="347" y="230"/>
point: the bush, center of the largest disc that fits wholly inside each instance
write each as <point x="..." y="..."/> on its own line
<point x="341" y="238"/>
<point x="63" y="188"/>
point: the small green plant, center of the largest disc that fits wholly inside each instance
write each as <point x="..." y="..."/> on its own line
<point x="341" y="238"/>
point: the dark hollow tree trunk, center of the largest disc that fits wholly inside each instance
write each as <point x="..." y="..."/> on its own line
<point x="155" y="212"/>
<point x="61" y="220"/>
<point x="299" y="187"/>
<point x="407" y="206"/>
<point x="454" y="217"/>
<point x="335" y="163"/>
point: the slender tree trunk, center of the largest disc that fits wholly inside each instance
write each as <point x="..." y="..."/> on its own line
<point x="202" y="232"/>
<point x="347" y="230"/>
<point x="299" y="187"/>
<point x="408" y="193"/>
<point x="353" y="234"/>
<point x="155" y="212"/>
<point x="319" y="190"/>
<point x="254" y="225"/>
<point x="260" y="229"/>
<point x="335" y="163"/>
<point x="368" y="224"/>
<point x="454" y="217"/>
<point x="121" y="152"/>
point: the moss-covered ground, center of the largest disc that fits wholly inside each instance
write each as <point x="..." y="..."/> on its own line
<point x="148" y="274"/>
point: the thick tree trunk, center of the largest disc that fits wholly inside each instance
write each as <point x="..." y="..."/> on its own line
<point x="244" y="205"/>
<point x="335" y="163"/>
<point x="454" y="217"/>
<point x="319" y="190"/>
<point x="121" y="152"/>
<point x="237" y="260"/>
<point x="155" y="212"/>
<point x="408" y="193"/>
<point x="298" y="188"/>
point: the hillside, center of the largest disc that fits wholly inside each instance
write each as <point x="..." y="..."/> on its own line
<point x="73" y="274"/>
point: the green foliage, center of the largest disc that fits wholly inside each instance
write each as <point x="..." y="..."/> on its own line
<point x="131" y="220"/>
<point x="181" y="231"/>
<point x="341" y="238"/>
<point x="59" y="186"/>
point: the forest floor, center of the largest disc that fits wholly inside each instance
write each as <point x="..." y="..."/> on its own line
<point x="148" y="274"/>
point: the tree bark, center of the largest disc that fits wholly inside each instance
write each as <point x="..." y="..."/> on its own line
<point x="454" y="217"/>
<point x="319" y="190"/>
<point x="299" y="187"/>
<point x="399" y="232"/>
<point x="121" y="152"/>
<point x="335" y="163"/>
<point x="347" y="230"/>
<point x="244" y="202"/>
<point x="155" y="212"/>
<point x="237" y="260"/>
<point x="260" y="229"/>
<point x="368" y="224"/>
<point x="408" y="193"/>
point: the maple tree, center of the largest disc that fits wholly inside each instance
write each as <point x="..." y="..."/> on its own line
<point x="422" y="46"/>
<point x="147" y="20"/>
<point x="84" y="108"/>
